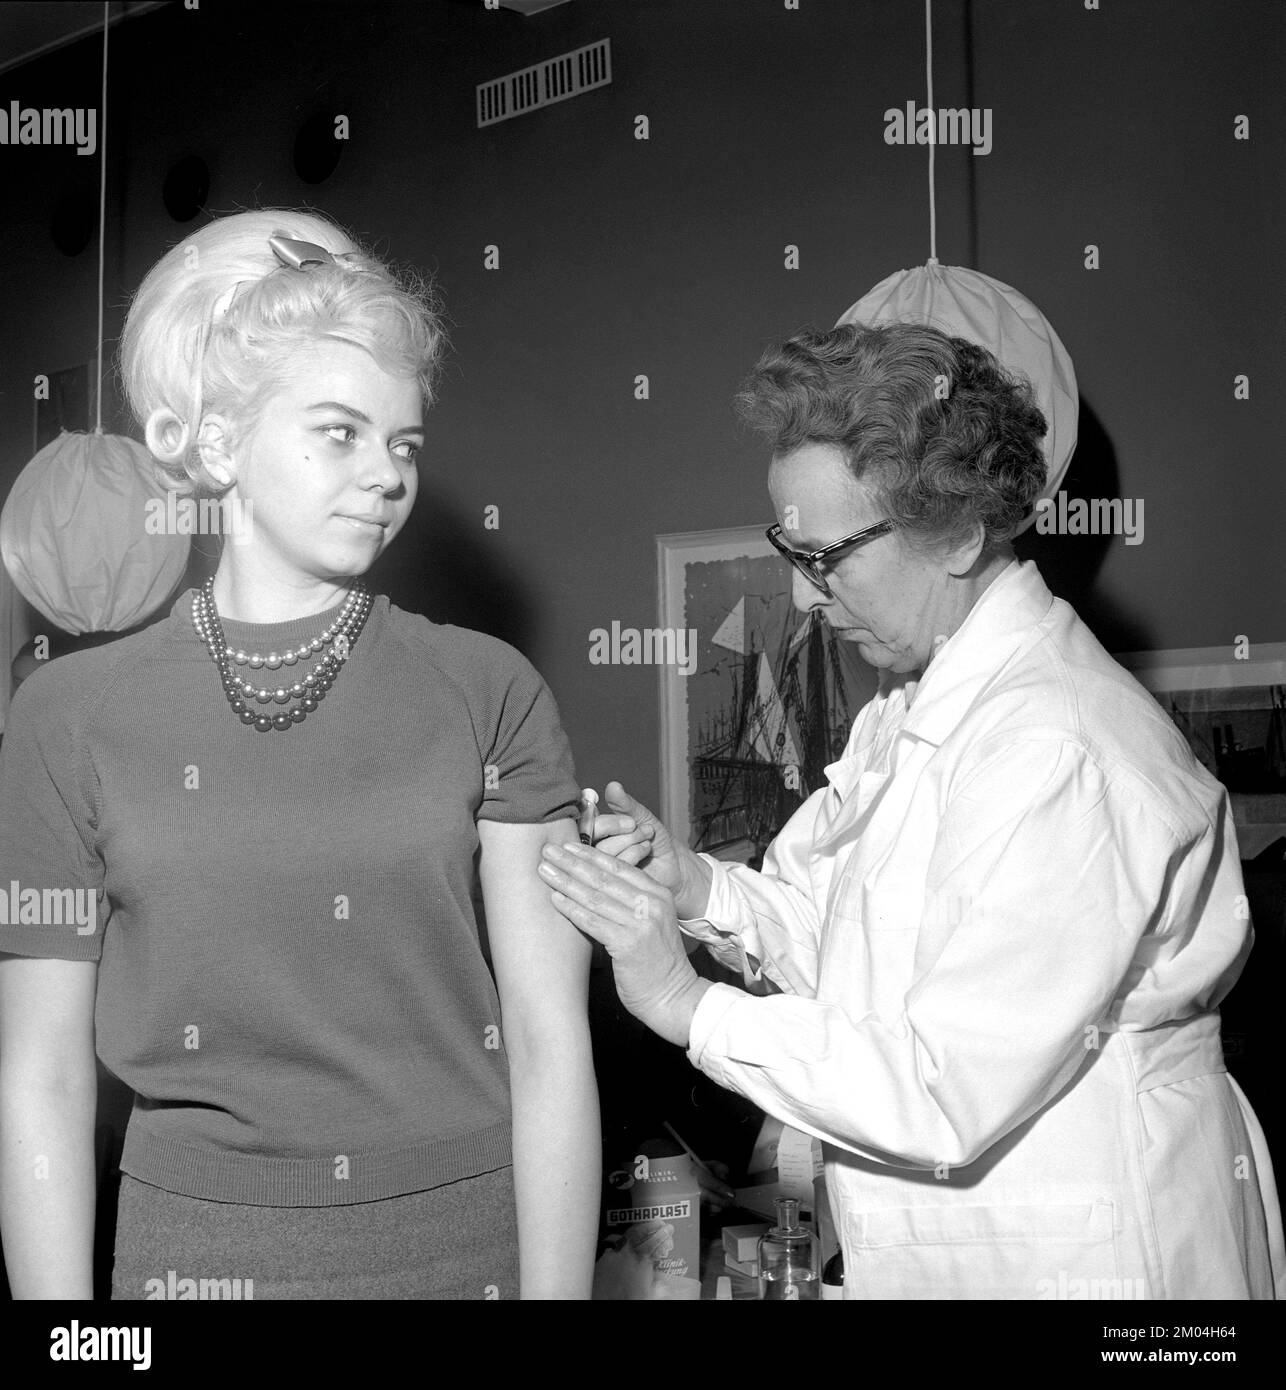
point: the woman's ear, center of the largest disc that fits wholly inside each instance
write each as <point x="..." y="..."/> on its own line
<point x="961" y="558"/>
<point x="214" y="446"/>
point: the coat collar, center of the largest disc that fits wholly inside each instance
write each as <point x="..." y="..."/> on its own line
<point x="995" y="627"/>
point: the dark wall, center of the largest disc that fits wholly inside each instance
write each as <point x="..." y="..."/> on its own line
<point x="665" y="257"/>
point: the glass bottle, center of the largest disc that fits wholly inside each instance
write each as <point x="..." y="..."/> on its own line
<point x="788" y="1257"/>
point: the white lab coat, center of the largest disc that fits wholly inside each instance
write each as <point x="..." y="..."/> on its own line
<point x="1003" y="931"/>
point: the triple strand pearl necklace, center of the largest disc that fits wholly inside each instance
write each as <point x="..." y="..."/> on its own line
<point x="338" y="638"/>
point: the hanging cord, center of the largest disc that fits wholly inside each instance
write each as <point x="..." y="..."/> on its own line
<point x="933" y="130"/>
<point x="102" y="215"/>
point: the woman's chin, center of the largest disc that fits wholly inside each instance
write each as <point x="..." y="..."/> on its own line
<point x="875" y="653"/>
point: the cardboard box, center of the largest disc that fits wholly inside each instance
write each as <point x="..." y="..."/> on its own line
<point x="785" y="1163"/>
<point x="760" y="1198"/>
<point x="741" y="1243"/>
<point x="658" y="1212"/>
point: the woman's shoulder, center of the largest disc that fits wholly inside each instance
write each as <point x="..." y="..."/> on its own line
<point x="1065" y="687"/>
<point x="63" y="685"/>
<point x="461" y="653"/>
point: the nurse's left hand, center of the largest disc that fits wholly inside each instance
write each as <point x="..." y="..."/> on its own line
<point x="633" y="917"/>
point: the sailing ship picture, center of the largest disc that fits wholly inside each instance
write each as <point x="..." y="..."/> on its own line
<point x="748" y="735"/>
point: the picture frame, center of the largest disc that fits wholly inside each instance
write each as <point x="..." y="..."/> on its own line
<point x="772" y="697"/>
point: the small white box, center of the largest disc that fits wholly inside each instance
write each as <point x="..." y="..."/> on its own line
<point x="750" y="1268"/>
<point x="741" y="1243"/>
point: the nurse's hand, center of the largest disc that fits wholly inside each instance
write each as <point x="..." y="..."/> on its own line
<point x="628" y="831"/>
<point x="633" y="917"/>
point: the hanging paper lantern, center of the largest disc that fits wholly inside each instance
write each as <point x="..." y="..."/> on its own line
<point x="967" y="304"/>
<point x="74" y="535"/>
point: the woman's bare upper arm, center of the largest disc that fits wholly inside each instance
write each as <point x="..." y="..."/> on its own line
<point x="541" y="961"/>
<point x="47" y="1015"/>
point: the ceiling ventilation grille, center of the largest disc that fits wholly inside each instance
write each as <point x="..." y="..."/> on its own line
<point x="556" y="79"/>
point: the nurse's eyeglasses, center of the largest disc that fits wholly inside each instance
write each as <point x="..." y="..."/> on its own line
<point x="808" y="562"/>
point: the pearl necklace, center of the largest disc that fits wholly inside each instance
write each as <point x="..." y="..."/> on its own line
<point x="309" y="691"/>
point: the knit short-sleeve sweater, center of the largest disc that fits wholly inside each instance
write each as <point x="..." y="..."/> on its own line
<point x="291" y="969"/>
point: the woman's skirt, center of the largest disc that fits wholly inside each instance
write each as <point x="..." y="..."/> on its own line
<point x="459" y="1241"/>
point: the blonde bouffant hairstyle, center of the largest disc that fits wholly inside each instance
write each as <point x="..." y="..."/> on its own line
<point x="217" y="320"/>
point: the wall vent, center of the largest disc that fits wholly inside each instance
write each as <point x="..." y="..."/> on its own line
<point x="555" y="79"/>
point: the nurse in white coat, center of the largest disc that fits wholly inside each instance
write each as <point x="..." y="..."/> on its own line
<point x="1002" y="930"/>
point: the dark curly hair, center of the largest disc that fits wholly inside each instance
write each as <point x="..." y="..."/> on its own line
<point x="937" y="465"/>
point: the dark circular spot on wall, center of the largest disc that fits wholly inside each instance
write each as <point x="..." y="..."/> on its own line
<point x="317" y="150"/>
<point x="74" y="218"/>
<point x="187" y="186"/>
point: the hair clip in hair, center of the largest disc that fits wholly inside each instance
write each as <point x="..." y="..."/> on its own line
<point x="224" y="301"/>
<point x="298" y="254"/>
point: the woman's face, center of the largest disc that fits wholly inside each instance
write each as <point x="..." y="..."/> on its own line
<point x="889" y="600"/>
<point x="329" y="468"/>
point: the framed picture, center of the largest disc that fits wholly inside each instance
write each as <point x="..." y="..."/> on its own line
<point x="763" y="706"/>
<point x="1231" y="707"/>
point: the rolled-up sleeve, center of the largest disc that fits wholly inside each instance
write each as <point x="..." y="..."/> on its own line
<point x="1043" y="878"/>
<point x="768" y="923"/>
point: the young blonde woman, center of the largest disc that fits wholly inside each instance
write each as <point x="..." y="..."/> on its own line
<point x="272" y="803"/>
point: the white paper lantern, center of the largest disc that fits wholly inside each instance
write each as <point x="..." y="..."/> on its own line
<point x="74" y="537"/>
<point x="967" y="304"/>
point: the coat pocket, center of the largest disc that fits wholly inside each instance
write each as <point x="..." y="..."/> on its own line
<point x="1036" y="1251"/>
